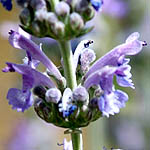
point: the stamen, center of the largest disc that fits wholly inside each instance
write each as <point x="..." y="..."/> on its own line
<point x="86" y="45"/>
<point x="60" y="144"/>
<point x="144" y="43"/>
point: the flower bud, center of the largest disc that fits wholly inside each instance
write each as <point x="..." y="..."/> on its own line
<point x="87" y="57"/>
<point x="76" y="21"/>
<point x="59" y="29"/>
<point x="25" y="16"/>
<point x="93" y="103"/>
<point x="51" y="18"/>
<point x="82" y="5"/>
<point x="53" y="95"/>
<point x="39" y="91"/>
<point x="88" y="13"/>
<point x="40" y="14"/>
<point x="80" y="94"/>
<point x="37" y="4"/>
<point x="62" y="9"/>
<point x="35" y="26"/>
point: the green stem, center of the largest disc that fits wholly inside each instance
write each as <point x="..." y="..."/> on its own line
<point x="77" y="140"/>
<point x="66" y="53"/>
<point x="70" y="75"/>
<point x="53" y="4"/>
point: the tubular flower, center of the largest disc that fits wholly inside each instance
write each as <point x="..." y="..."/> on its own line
<point x="22" y="99"/>
<point x="95" y="95"/>
<point x="113" y="64"/>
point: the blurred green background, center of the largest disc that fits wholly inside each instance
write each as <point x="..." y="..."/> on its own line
<point x="129" y="130"/>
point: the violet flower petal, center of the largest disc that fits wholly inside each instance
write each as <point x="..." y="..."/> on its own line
<point x="31" y="76"/>
<point x="115" y="56"/>
<point x="20" y="42"/>
<point x="19" y="100"/>
<point x="110" y="103"/>
<point x="102" y="77"/>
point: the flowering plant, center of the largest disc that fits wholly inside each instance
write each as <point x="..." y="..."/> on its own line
<point x="81" y="90"/>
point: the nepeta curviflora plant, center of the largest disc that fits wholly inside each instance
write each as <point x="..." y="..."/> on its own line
<point x="81" y="90"/>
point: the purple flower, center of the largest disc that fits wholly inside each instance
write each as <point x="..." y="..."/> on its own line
<point x="7" y="4"/>
<point x="22" y="99"/>
<point x="20" y="42"/>
<point x="104" y="69"/>
<point x="116" y="57"/>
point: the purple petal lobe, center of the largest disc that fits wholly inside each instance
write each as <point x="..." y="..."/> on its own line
<point x="134" y="36"/>
<point x="19" y="100"/>
<point x="20" y="42"/>
<point x="110" y="103"/>
<point x="125" y="82"/>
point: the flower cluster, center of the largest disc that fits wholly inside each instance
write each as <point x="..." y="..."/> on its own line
<point x="95" y="95"/>
<point x="57" y="19"/>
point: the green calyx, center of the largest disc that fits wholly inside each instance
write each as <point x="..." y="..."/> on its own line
<point x="81" y="117"/>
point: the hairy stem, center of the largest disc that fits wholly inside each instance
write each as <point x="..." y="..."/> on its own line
<point x="66" y="53"/>
<point x="77" y="141"/>
<point x="70" y="75"/>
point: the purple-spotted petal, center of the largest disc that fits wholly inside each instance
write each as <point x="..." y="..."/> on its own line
<point x="116" y="55"/>
<point x="20" y="100"/>
<point x="20" y="42"/>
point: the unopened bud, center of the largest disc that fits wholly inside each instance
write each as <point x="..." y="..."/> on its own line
<point x="53" y="95"/>
<point x="59" y="29"/>
<point x="40" y="14"/>
<point x="76" y="21"/>
<point x="62" y="9"/>
<point x="87" y="57"/>
<point x="35" y="27"/>
<point x="51" y="18"/>
<point x="93" y="103"/>
<point x="80" y="94"/>
<point x="39" y="91"/>
<point x="37" y="4"/>
<point x="88" y="13"/>
<point x="25" y="16"/>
